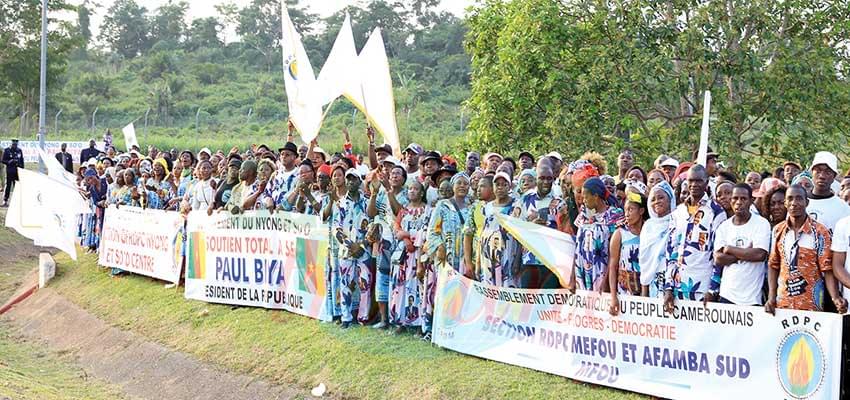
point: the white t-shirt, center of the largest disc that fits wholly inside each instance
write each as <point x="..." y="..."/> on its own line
<point x="828" y="211"/>
<point x="742" y="281"/>
<point x="841" y="243"/>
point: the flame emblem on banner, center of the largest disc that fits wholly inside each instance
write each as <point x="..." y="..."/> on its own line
<point x="801" y="365"/>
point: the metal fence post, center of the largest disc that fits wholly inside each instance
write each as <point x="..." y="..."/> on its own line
<point x="197" y="120"/>
<point x="146" y="124"/>
<point x="56" y="123"/>
<point x="93" y="115"/>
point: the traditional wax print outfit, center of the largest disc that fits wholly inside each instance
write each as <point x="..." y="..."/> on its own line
<point x="592" y="238"/>
<point x="94" y="224"/>
<point x="281" y="185"/>
<point x="690" y="261"/>
<point x="445" y="227"/>
<point x="475" y="228"/>
<point x="350" y="215"/>
<point x="654" y="237"/>
<point x="801" y="259"/>
<point x="383" y="251"/>
<point x="533" y="272"/>
<point x="628" y="277"/>
<point x="499" y="251"/>
<point x="333" y="297"/>
<point x="404" y="303"/>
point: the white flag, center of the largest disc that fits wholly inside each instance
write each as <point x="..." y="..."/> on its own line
<point x="130" y="136"/>
<point x="702" y="153"/>
<point x="377" y="89"/>
<point x="305" y="111"/>
<point x="46" y="211"/>
<point x="56" y="171"/>
<point x="336" y="77"/>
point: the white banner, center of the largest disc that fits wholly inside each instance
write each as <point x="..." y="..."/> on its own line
<point x="30" y="149"/>
<point x="144" y="242"/>
<point x="130" y="136"/>
<point x="718" y="352"/>
<point x="258" y="259"/>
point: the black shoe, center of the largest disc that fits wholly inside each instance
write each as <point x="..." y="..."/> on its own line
<point x="345" y="325"/>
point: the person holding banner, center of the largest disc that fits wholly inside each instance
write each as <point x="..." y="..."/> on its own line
<point x="537" y="206"/>
<point x="800" y="262"/>
<point x="499" y="257"/>
<point x="333" y="299"/>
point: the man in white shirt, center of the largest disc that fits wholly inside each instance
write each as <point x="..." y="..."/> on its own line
<point x="840" y="262"/>
<point x="824" y="206"/>
<point x="741" y="249"/>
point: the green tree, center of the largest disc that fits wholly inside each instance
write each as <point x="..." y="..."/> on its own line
<point x="126" y="29"/>
<point x="593" y="75"/>
<point x="169" y="23"/>
<point x="91" y="90"/>
<point x="204" y="33"/>
<point x="20" y="52"/>
<point x="260" y="28"/>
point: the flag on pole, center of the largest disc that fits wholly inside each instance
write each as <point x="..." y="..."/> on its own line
<point x="46" y="210"/>
<point x="56" y="171"/>
<point x="552" y="247"/>
<point x="336" y="77"/>
<point x="305" y="111"/>
<point x="130" y="136"/>
<point x="377" y="89"/>
<point x="702" y="154"/>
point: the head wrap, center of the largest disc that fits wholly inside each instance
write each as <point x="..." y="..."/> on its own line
<point x="528" y="172"/>
<point x="90" y="172"/>
<point x="164" y="164"/>
<point x="636" y="186"/>
<point x="584" y="173"/>
<point x="653" y="238"/>
<point x="458" y="176"/>
<point x="801" y="176"/>
<point x="145" y="166"/>
<point x="597" y="188"/>
<point x="110" y="172"/>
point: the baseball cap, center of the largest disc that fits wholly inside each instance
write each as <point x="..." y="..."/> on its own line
<point x="490" y="155"/>
<point x="431" y="155"/>
<point x="385" y="148"/>
<point x="504" y="175"/>
<point x="826" y="158"/>
<point x="353" y="172"/>
<point x="670" y="162"/>
<point x="415" y="148"/>
<point x="393" y="160"/>
<point x="205" y="150"/>
<point x="235" y="162"/>
<point x="556" y="155"/>
<point x="319" y="150"/>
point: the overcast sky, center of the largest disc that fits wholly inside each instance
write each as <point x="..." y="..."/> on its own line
<point x="206" y="8"/>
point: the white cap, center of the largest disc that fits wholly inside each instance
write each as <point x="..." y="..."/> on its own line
<point x="205" y="150"/>
<point x="555" y="154"/>
<point x="670" y="162"/>
<point x="393" y="160"/>
<point x="319" y="150"/>
<point x="826" y="158"/>
<point x="504" y="175"/>
<point x="353" y="172"/>
<point x="91" y="162"/>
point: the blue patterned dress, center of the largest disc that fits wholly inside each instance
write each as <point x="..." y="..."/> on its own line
<point x="592" y="239"/>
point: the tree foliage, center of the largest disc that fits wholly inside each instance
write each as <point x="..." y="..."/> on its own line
<point x="591" y="74"/>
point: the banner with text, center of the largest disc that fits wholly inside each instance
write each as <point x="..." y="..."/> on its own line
<point x="695" y="352"/>
<point x="258" y="259"/>
<point x="142" y="241"/>
<point x="30" y="148"/>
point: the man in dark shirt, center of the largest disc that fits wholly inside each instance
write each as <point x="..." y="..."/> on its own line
<point x="65" y="158"/>
<point x="88" y="153"/>
<point x="13" y="158"/>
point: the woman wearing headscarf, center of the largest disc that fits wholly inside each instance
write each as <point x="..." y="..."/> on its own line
<point x="411" y="226"/>
<point x="527" y="181"/>
<point x="805" y="180"/>
<point x="652" y="252"/>
<point x="596" y="223"/>
<point x="444" y="244"/>
<point x="624" y="264"/>
<point x="203" y="191"/>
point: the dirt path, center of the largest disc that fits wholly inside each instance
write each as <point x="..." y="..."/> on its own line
<point x="141" y="369"/>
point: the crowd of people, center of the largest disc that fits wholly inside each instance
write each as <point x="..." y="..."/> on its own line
<point x="676" y="230"/>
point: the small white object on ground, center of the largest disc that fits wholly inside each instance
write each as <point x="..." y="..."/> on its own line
<point x="318" y="391"/>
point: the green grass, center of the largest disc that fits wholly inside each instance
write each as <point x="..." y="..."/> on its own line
<point x="27" y="371"/>
<point x="293" y="350"/>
